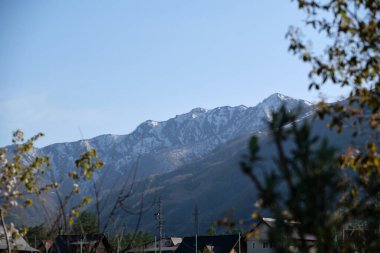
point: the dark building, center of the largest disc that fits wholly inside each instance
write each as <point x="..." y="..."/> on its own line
<point x="168" y="245"/>
<point x="94" y="243"/>
<point x="214" y="244"/>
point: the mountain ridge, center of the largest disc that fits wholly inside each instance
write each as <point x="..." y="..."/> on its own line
<point x="200" y="127"/>
<point x="162" y="146"/>
<point x="273" y="101"/>
<point x="156" y="148"/>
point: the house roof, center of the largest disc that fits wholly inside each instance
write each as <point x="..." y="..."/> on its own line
<point x="176" y="240"/>
<point x="153" y="245"/>
<point x="62" y="241"/>
<point x="219" y="244"/>
<point x="151" y="249"/>
<point x="16" y="244"/>
<point x="271" y="222"/>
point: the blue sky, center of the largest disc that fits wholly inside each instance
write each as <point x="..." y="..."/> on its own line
<point x="101" y="67"/>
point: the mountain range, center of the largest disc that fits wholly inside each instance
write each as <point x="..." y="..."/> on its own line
<point x="165" y="146"/>
<point x="189" y="160"/>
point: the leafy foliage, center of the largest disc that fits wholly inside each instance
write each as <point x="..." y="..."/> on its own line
<point x="36" y="234"/>
<point x="308" y="192"/>
<point x="211" y="230"/>
<point x="24" y="178"/>
<point x="314" y="191"/>
<point x="86" y="223"/>
<point x="20" y="179"/>
<point x="351" y="59"/>
<point x="131" y="240"/>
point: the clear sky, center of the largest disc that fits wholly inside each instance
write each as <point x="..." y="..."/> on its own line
<point x="101" y="67"/>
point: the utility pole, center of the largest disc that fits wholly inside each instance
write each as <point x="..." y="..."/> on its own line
<point x="155" y="244"/>
<point x="196" y="243"/>
<point x="160" y="224"/>
<point x="196" y="220"/>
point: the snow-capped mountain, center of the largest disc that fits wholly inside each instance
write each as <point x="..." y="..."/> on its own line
<point x="159" y="147"/>
<point x="167" y="147"/>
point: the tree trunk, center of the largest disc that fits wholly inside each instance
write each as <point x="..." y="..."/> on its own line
<point x="5" y="231"/>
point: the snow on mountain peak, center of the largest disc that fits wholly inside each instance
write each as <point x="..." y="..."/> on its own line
<point x="224" y="122"/>
<point x="198" y="110"/>
<point x="152" y="123"/>
<point x="275" y="98"/>
<point x="147" y="125"/>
